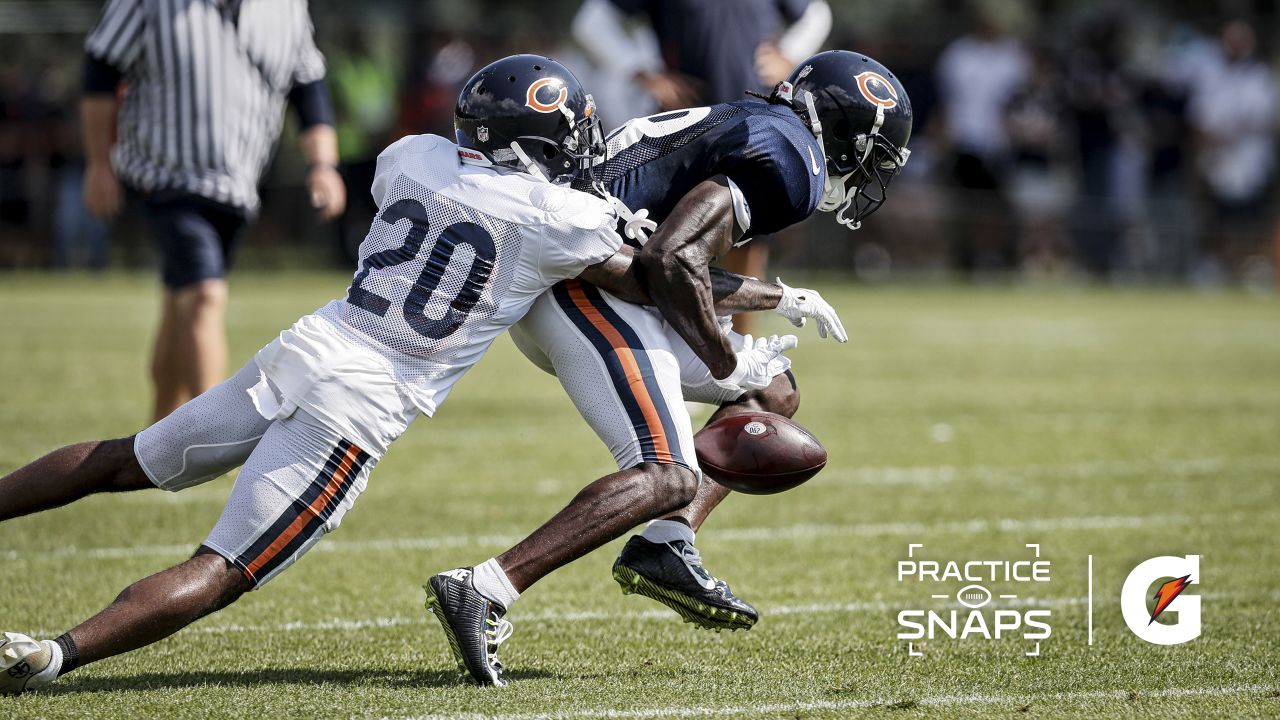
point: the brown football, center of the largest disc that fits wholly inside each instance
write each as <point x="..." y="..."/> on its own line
<point x="759" y="453"/>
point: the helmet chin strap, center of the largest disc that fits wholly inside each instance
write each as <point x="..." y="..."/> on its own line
<point x="834" y="192"/>
<point x="529" y="166"/>
<point x="848" y="202"/>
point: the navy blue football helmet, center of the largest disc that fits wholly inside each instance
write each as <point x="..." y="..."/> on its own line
<point x="861" y="116"/>
<point x="529" y="112"/>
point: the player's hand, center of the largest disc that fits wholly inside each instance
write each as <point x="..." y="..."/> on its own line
<point x="771" y="65"/>
<point x="327" y="192"/>
<point x="102" y="193"/>
<point x="800" y="304"/>
<point x="753" y="372"/>
<point x="672" y="91"/>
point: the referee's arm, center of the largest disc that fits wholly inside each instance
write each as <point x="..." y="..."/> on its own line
<point x="310" y="99"/>
<point x="98" y="107"/>
<point x="111" y="47"/>
<point x="325" y="188"/>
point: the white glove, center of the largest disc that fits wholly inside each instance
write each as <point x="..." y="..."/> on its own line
<point x="752" y="372"/>
<point x="798" y="304"/>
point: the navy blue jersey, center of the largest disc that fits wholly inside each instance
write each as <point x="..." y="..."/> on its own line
<point x="766" y="150"/>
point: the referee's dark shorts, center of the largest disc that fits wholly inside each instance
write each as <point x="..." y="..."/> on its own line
<point x="195" y="237"/>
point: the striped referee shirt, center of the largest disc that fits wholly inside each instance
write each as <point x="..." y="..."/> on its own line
<point x="206" y="89"/>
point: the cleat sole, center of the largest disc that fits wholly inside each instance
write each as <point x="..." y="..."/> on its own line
<point x="433" y="606"/>
<point x="691" y="611"/>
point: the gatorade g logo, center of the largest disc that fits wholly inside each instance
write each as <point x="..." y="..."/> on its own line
<point x="1174" y="574"/>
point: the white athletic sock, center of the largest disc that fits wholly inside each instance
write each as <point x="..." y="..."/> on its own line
<point x="492" y="582"/>
<point x="50" y="671"/>
<point x="665" y="531"/>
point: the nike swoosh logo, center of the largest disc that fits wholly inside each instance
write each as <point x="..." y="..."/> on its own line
<point x="812" y="158"/>
<point x="705" y="582"/>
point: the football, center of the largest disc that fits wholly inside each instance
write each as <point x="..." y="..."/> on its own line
<point x="759" y="453"/>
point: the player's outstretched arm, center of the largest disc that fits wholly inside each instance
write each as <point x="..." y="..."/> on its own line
<point x="622" y="276"/>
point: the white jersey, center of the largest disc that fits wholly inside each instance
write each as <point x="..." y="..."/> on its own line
<point x="456" y="255"/>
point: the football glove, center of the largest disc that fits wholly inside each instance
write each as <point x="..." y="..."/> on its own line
<point x="799" y="304"/>
<point x="753" y="372"/>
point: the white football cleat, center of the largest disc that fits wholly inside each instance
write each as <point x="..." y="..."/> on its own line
<point x="21" y="659"/>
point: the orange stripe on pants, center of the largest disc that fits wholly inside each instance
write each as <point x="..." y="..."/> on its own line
<point x="316" y="506"/>
<point x="635" y="378"/>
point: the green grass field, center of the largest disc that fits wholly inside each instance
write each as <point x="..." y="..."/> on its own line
<point x="1122" y="424"/>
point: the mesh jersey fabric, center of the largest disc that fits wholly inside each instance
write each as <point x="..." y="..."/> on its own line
<point x="765" y="149"/>
<point x="456" y="254"/>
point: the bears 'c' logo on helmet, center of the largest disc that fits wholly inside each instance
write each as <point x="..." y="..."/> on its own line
<point x="876" y="89"/>
<point x="544" y="87"/>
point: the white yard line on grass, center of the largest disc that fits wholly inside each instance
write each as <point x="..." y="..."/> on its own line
<point x="1013" y="700"/>
<point x="749" y="534"/>
<point x="895" y="475"/>
<point x="548" y="616"/>
<point x="928" y="475"/>
<point x="561" y="616"/>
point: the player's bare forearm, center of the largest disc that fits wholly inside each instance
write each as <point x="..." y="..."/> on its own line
<point x="320" y="145"/>
<point x="677" y="266"/>
<point x="622" y="276"/>
<point x="738" y="293"/>
<point x="98" y="122"/>
<point x="102" y="194"/>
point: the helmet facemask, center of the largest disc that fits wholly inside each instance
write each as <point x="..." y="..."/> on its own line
<point x="867" y="187"/>
<point x="561" y="162"/>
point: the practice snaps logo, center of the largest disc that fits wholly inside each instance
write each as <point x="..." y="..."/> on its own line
<point x="977" y="615"/>
<point x="1174" y="574"/>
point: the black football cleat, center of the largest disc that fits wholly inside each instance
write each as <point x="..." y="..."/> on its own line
<point x="672" y="574"/>
<point x="472" y="623"/>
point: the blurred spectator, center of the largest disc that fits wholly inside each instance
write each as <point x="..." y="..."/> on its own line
<point x="1103" y="107"/>
<point x="712" y="51"/>
<point x="1171" y="216"/>
<point x="433" y="80"/>
<point x="615" y="79"/>
<point x="977" y="75"/>
<point x="15" y="205"/>
<point x="73" y="227"/>
<point x="363" y="79"/>
<point x="1040" y="186"/>
<point x="1233" y="109"/>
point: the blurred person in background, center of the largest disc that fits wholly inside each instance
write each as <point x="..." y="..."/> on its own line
<point x="15" y="121"/>
<point x="977" y="75"/>
<point x="73" y="227"/>
<point x="712" y="51"/>
<point x="616" y="79"/>
<point x="1232" y="107"/>
<point x="1040" y="182"/>
<point x="1103" y="107"/>
<point x="433" y="78"/>
<point x="1171" y="216"/>
<point x="362" y="75"/>
<point x="205" y="83"/>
